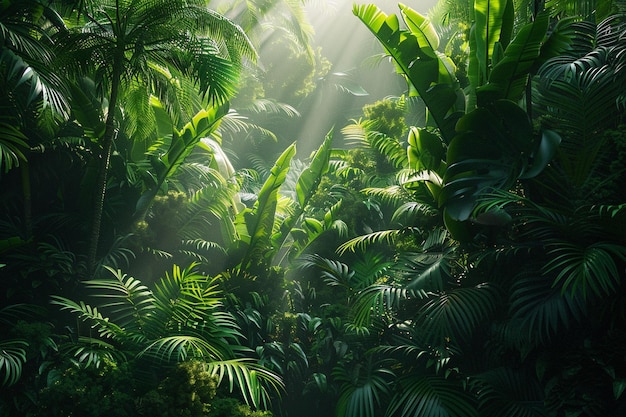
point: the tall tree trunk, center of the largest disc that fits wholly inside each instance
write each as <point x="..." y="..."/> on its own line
<point x="100" y="187"/>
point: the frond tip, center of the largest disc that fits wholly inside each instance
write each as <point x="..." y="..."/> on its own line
<point x="590" y="269"/>
<point x="254" y="381"/>
<point x="12" y="358"/>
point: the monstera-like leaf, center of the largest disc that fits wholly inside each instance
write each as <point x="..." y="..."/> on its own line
<point x="493" y="148"/>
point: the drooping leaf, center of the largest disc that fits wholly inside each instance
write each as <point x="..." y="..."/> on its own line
<point x="13" y="145"/>
<point x="255" y="383"/>
<point x="493" y="24"/>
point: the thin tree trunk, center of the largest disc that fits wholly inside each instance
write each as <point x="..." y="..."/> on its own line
<point x="101" y="182"/>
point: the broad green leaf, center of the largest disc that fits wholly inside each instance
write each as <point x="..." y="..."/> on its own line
<point x="545" y="152"/>
<point x="493" y="148"/>
<point x="427" y="75"/>
<point x="425" y="150"/>
<point x="418" y="23"/>
<point x="509" y="76"/>
<point x="255" y="226"/>
<point x="494" y="23"/>
<point x="311" y="177"/>
<point x="306" y="187"/>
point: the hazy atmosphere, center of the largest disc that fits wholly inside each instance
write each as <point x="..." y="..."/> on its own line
<point x="307" y="208"/>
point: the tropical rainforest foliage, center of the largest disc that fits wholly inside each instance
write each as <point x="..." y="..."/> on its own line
<point x="455" y="251"/>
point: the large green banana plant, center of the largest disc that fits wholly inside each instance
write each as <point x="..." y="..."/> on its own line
<point x="261" y="233"/>
<point x="428" y="72"/>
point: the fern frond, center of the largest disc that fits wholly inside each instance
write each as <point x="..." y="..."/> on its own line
<point x="381" y="236"/>
<point x="392" y="195"/>
<point x="377" y="300"/>
<point x="85" y="312"/>
<point x="130" y="303"/>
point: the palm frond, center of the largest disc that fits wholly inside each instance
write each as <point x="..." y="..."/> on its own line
<point x="370" y="268"/>
<point x="12" y="313"/>
<point x="588" y="270"/>
<point x="183" y="297"/>
<point x="129" y="302"/>
<point x="255" y="383"/>
<point x="378" y="300"/>
<point x="539" y="312"/>
<point x="430" y="271"/>
<point x="85" y="312"/>
<point x="143" y="123"/>
<point x="234" y="124"/>
<point x="422" y="396"/>
<point x="334" y="273"/>
<point x="180" y="347"/>
<point x="89" y="351"/>
<point x="363" y="389"/>
<point x="455" y="314"/>
<point x="203" y="245"/>
<point x="392" y="195"/>
<point x="13" y="145"/>
<point x="12" y="359"/>
<point x="390" y="148"/>
<point x="411" y="211"/>
<point x="272" y="107"/>
<point x="364" y="241"/>
<point x="505" y="391"/>
<point x="117" y="255"/>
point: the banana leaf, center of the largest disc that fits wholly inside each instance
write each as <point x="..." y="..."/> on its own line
<point x="255" y="225"/>
<point x="305" y="188"/>
<point x="509" y="76"/>
<point x="412" y="51"/>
